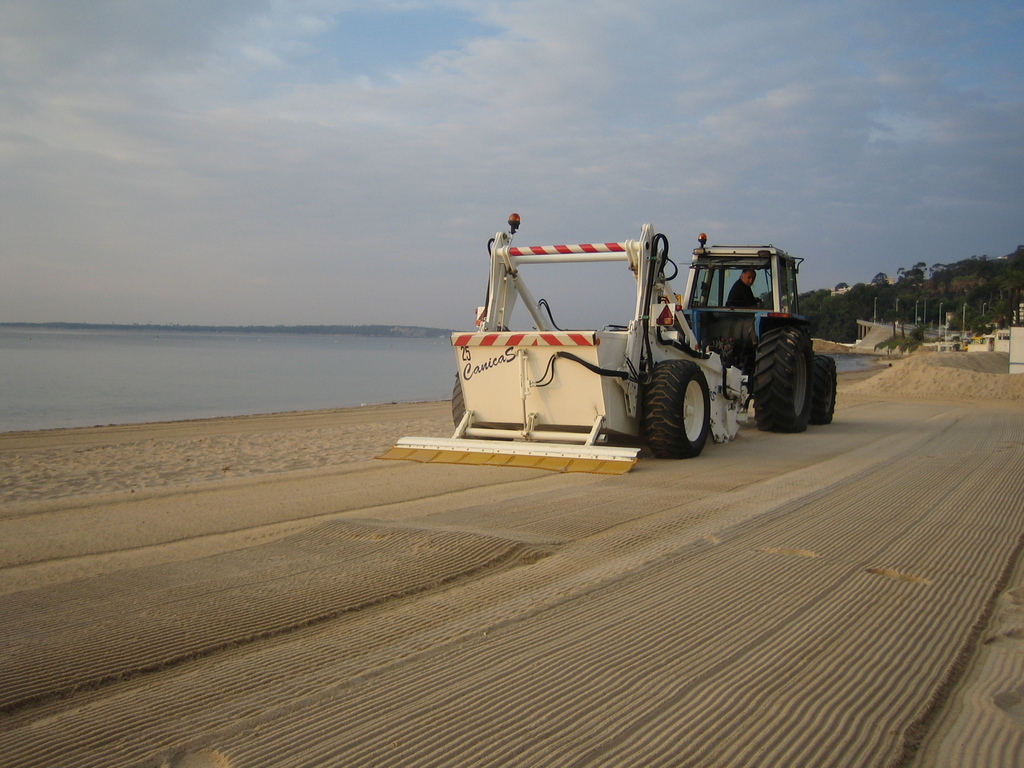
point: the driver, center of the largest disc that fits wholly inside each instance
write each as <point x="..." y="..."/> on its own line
<point x="741" y="295"/>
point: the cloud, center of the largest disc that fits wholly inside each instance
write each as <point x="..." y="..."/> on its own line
<point x="344" y="162"/>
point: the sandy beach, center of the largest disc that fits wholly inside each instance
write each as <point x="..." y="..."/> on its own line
<point x="262" y="591"/>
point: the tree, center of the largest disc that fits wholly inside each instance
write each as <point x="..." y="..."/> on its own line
<point x="1013" y="281"/>
<point x="916" y="273"/>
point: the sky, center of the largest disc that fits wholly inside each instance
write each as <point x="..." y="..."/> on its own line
<point x="282" y="162"/>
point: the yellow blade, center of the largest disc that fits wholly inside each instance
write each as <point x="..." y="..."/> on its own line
<point x="557" y="458"/>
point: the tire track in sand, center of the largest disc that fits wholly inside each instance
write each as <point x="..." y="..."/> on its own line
<point x="152" y="618"/>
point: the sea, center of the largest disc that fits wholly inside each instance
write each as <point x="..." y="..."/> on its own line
<point x="55" y="378"/>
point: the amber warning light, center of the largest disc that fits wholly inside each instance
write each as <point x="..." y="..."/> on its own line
<point x="513" y="223"/>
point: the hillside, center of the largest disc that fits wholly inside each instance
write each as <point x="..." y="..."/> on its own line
<point x="973" y="294"/>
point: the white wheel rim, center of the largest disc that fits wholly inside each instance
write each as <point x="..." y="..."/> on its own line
<point x="693" y="411"/>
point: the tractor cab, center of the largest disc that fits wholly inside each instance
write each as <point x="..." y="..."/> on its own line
<point x="712" y="279"/>
<point x="727" y="317"/>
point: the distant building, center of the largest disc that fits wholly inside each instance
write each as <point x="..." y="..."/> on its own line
<point x="991" y="342"/>
<point x="982" y="344"/>
<point x="840" y="289"/>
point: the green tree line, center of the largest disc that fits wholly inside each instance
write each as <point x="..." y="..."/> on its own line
<point x="976" y="294"/>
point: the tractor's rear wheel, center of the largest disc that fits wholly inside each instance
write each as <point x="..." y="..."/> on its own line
<point x="783" y="380"/>
<point x="823" y="397"/>
<point x="676" y="410"/>
<point x="458" y="402"/>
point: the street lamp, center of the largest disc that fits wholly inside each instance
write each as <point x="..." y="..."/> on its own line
<point x="874" y="316"/>
<point x="917" y="317"/>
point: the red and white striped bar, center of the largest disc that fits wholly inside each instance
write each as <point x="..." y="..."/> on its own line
<point x="549" y="254"/>
<point x="527" y="339"/>
<point x="581" y="248"/>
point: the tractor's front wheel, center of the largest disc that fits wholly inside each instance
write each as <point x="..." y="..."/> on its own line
<point x="676" y="410"/>
<point x="823" y="398"/>
<point x="783" y="380"/>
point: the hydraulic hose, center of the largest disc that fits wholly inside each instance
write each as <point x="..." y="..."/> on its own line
<point x="549" y="372"/>
<point x="658" y="263"/>
<point x="682" y="346"/>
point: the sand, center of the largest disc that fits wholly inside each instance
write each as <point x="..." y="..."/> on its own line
<point x="262" y="591"/>
<point x="954" y="376"/>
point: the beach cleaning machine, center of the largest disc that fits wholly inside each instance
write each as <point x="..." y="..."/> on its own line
<point x="583" y="400"/>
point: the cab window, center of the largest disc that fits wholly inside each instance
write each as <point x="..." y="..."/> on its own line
<point x="712" y="284"/>
<point x="787" y="288"/>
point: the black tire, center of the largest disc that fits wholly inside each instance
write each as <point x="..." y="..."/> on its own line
<point x="823" y="397"/>
<point x="676" y="410"/>
<point x="458" y="402"/>
<point x="783" y="380"/>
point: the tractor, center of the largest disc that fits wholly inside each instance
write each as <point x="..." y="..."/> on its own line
<point x="678" y="372"/>
<point x="742" y="303"/>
